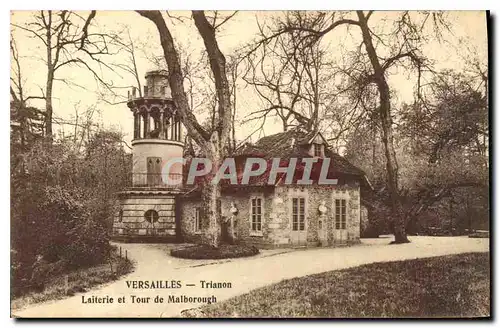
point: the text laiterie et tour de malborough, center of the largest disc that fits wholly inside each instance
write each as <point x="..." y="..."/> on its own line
<point x="160" y="298"/>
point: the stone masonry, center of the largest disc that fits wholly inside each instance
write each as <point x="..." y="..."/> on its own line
<point x="277" y="216"/>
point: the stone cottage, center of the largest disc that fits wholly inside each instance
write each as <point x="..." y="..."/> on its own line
<point x="158" y="206"/>
<point x="281" y="215"/>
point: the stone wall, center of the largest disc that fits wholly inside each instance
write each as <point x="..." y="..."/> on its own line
<point x="132" y="222"/>
<point x="277" y="216"/>
<point x="241" y="220"/>
<point x="281" y="217"/>
<point x="187" y="213"/>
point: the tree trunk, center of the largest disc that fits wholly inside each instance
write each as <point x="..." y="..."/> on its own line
<point x="50" y="81"/>
<point x="218" y="67"/>
<point x="216" y="142"/>
<point x="48" y="90"/>
<point x="220" y="137"/>
<point x="210" y="196"/>
<point x="374" y="140"/>
<point x="387" y="133"/>
<point x="48" y="106"/>
<point x="400" y="236"/>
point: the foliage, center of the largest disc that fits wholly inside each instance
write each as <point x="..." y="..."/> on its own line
<point x="442" y="149"/>
<point x="453" y="115"/>
<point x="61" y="203"/>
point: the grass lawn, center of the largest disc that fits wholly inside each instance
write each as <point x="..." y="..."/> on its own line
<point x="74" y="282"/>
<point x="445" y="286"/>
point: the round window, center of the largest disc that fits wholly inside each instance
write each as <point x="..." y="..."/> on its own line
<point x="151" y="216"/>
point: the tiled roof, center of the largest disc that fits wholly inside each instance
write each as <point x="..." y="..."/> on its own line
<point x="249" y="149"/>
<point x="288" y="144"/>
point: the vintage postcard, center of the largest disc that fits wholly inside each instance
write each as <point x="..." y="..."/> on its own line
<point x="249" y="164"/>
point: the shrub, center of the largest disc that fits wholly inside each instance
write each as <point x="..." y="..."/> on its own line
<point x="62" y="198"/>
<point x="58" y="228"/>
<point x="199" y="252"/>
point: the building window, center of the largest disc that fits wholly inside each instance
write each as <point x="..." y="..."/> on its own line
<point x="151" y="216"/>
<point x="197" y="220"/>
<point x="298" y="214"/>
<point x="120" y="216"/>
<point x="257" y="214"/>
<point x="340" y="214"/>
<point x="317" y="150"/>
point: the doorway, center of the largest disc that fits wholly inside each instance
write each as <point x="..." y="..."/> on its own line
<point x="322" y="230"/>
<point x="298" y="235"/>
<point x="340" y="221"/>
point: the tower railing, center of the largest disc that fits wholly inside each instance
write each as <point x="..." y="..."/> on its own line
<point x="156" y="180"/>
<point x="149" y="92"/>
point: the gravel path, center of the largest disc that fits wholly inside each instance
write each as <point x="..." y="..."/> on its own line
<point x="272" y="266"/>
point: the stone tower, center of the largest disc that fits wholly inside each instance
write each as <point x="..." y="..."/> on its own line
<point x="148" y="208"/>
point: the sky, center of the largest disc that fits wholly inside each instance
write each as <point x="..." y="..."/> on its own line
<point x="240" y="30"/>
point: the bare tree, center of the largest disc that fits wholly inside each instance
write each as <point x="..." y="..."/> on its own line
<point x="29" y="118"/>
<point x="67" y="40"/>
<point x="128" y="46"/>
<point x="286" y="78"/>
<point x="376" y="56"/>
<point x="297" y="79"/>
<point x="215" y="139"/>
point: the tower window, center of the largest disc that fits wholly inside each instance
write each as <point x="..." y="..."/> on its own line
<point x="151" y="216"/>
